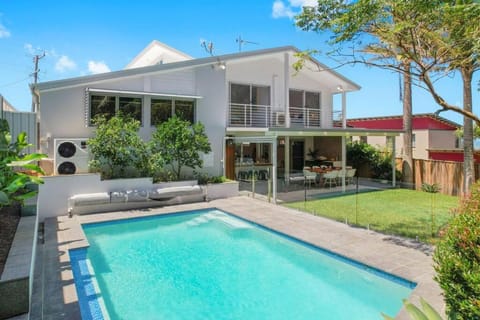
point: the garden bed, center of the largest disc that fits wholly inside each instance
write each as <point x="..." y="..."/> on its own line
<point x="9" y="218"/>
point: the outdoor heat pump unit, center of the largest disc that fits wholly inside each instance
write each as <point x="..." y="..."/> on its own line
<point x="71" y="156"/>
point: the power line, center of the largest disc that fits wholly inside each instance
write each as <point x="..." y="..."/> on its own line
<point x="13" y="83"/>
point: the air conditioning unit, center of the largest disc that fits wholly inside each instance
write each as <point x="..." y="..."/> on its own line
<point x="71" y="156"/>
<point x="280" y="119"/>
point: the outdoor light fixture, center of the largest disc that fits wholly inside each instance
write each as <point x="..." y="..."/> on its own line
<point x="220" y="65"/>
<point x="339" y="88"/>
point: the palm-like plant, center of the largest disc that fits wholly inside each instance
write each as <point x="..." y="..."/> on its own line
<point x="12" y="182"/>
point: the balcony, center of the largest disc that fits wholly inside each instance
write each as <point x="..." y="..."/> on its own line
<point x="262" y="116"/>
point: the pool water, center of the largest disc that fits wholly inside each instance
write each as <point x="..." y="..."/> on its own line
<point x="212" y="265"/>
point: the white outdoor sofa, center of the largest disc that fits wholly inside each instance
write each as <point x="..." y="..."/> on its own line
<point x="157" y="195"/>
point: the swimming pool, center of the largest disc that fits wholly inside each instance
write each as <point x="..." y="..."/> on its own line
<point x="211" y="265"/>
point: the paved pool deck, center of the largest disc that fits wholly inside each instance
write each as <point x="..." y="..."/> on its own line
<point x="56" y="297"/>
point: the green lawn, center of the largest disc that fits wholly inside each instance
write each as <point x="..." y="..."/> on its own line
<point x="395" y="211"/>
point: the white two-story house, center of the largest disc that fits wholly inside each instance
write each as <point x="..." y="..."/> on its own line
<point x="255" y="107"/>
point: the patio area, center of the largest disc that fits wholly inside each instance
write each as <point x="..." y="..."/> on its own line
<point x="299" y="190"/>
<point x="54" y="291"/>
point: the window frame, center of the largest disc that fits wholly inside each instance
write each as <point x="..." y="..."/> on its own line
<point x="173" y="109"/>
<point x="304" y="97"/>
<point x="117" y="104"/>
<point x="251" y="87"/>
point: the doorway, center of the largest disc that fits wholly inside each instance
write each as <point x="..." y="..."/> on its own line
<point x="298" y="154"/>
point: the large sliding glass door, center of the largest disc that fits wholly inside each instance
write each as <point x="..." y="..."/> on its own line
<point x="249" y="105"/>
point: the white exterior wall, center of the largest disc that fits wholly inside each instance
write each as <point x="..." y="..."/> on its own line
<point x="62" y="115"/>
<point x="270" y="72"/>
<point x="63" y="111"/>
<point x="212" y="111"/>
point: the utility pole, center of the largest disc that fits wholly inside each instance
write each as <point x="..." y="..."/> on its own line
<point x="36" y="58"/>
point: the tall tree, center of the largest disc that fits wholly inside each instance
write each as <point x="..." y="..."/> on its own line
<point x="435" y="36"/>
<point x="407" y="155"/>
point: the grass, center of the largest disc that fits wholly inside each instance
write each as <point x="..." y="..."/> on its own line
<point x="395" y="211"/>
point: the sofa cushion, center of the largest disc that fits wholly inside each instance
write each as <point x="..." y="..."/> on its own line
<point x="118" y="197"/>
<point x="88" y="199"/>
<point x="171" y="192"/>
<point x="137" y="195"/>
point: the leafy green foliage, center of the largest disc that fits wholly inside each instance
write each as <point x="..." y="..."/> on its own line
<point x="430" y="188"/>
<point x="204" y="178"/>
<point x="426" y="313"/>
<point x="178" y="143"/>
<point x="13" y="183"/>
<point x="360" y="153"/>
<point x="457" y="260"/>
<point x="363" y="154"/>
<point x="382" y="168"/>
<point x="117" y="149"/>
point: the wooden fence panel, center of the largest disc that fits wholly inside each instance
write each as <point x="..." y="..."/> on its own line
<point x="447" y="174"/>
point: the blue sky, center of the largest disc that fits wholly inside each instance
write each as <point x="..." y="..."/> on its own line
<point x="85" y="37"/>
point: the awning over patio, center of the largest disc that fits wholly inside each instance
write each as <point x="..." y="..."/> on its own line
<point x="271" y="135"/>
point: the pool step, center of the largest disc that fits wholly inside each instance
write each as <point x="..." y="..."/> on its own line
<point x="219" y="216"/>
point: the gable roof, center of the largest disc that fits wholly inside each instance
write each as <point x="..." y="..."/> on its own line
<point x="157" y="53"/>
<point x="79" y="81"/>
<point x="419" y="121"/>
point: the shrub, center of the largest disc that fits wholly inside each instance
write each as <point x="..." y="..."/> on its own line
<point x="457" y="260"/>
<point x="117" y="149"/>
<point x="178" y="143"/>
<point x="359" y="153"/>
<point x="205" y="178"/>
<point x="380" y="164"/>
<point x="382" y="168"/>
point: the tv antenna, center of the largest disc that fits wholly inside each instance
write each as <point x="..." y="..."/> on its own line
<point x="207" y="46"/>
<point x="241" y="42"/>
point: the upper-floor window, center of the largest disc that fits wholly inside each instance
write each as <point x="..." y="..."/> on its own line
<point x="304" y="107"/>
<point x="304" y="99"/>
<point x="110" y="105"/>
<point x="413" y="140"/>
<point x="249" y="94"/>
<point x="164" y="109"/>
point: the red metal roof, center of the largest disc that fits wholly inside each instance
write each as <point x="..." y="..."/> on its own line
<point x="420" y="121"/>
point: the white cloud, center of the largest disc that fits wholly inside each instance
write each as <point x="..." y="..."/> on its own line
<point x="303" y="3"/>
<point x="4" y="33"/>
<point x="64" y="63"/>
<point x="29" y="48"/>
<point x="279" y="10"/>
<point x="97" y="67"/>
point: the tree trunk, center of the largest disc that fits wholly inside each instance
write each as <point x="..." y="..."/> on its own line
<point x="407" y="157"/>
<point x="468" y="160"/>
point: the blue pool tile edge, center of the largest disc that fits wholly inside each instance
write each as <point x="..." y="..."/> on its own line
<point x="89" y="298"/>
